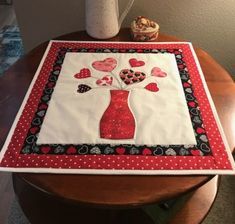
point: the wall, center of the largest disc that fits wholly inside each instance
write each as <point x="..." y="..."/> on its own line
<point x="208" y="24"/>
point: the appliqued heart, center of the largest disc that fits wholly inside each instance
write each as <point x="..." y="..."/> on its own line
<point x="107" y="65"/>
<point x="105" y="81"/>
<point x="82" y="88"/>
<point x="128" y="76"/>
<point x="152" y="87"/>
<point x="157" y="72"/>
<point x="84" y="73"/>
<point x="135" y="63"/>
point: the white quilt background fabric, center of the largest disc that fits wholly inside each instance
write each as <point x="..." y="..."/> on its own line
<point x="161" y="117"/>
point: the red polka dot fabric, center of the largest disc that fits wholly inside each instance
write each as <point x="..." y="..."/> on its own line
<point x="12" y="158"/>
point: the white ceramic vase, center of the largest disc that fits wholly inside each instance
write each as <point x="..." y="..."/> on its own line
<point x="102" y="18"/>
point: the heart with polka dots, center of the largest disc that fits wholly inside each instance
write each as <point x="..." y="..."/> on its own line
<point x="129" y="77"/>
<point x="83" y="88"/>
<point x="84" y="73"/>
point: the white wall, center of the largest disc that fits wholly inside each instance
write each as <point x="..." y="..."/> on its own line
<point x="209" y="24"/>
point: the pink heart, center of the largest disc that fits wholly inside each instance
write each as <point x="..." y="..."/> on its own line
<point x="107" y="65"/>
<point x="152" y="87"/>
<point x="84" y="73"/>
<point x="135" y="63"/>
<point x="105" y="81"/>
<point x="158" y="72"/>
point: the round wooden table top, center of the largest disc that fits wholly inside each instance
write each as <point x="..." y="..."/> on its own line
<point x="114" y="190"/>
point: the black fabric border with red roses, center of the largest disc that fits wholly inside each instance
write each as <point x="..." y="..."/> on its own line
<point x="201" y="149"/>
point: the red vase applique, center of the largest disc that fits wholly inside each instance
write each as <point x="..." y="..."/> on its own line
<point x="118" y="121"/>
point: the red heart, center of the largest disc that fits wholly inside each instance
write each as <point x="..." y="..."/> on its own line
<point x="200" y="130"/>
<point x="195" y="152"/>
<point x="157" y="72"/>
<point x="152" y="87"/>
<point x="50" y="84"/>
<point x="135" y="63"/>
<point x="84" y="73"/>
<point x="57" y="67"/>
<point x="45" y="149"/>
<point x="177" y="52"/>
<point x="147" y="151"/>
<point x="71" y="150"/>
<point x="186" y="84"/>
<point x="120" y="150"/>
<point x="192" y="104"/>
<point x="34" y="130"/>
<point x="43" y="106"/>
<point x="180" y="66"/>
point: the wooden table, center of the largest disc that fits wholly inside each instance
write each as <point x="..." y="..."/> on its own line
<point x="110" y="191"/>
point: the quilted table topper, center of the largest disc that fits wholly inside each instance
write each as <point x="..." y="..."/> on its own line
<point x="117" y="108"/>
